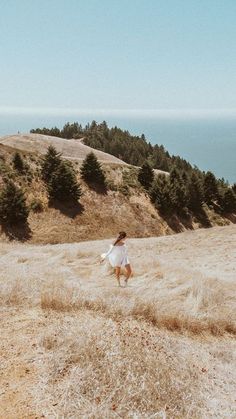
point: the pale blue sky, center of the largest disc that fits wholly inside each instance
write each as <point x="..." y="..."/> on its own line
<point x="118" y="54"/>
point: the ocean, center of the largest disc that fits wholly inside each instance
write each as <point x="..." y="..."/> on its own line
<point x="209" y="143"/>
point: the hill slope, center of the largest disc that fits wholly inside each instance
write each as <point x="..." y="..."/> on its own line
<point x="70" y="149"/>
<point x="86" y="348"/>
<point x="125" y="206"/>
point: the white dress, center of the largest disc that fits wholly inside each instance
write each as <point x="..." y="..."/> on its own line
<point x="117" y="256"/>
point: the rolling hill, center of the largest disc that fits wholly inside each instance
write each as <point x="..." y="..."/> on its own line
<point x="125" y="206"/>
<point x="70" y="149"/>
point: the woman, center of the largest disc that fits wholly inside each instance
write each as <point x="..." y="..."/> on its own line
<point x="118" y="258"/>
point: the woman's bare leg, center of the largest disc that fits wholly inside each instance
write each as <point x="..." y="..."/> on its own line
<point x="128" y="273"/>
<point x="117" y="271"/>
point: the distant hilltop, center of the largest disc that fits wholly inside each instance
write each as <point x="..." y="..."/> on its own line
<point x="70" y="149"/>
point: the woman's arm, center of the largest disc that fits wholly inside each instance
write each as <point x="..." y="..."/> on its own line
<point x="105" y="255"/>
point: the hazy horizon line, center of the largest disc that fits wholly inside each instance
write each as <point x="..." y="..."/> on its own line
<point x="151" y="113"/>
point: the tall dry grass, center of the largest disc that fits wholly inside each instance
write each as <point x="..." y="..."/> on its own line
<point x="160" y="348"/>
<point x="99" y="368"/>
<point x="64" y="298"/>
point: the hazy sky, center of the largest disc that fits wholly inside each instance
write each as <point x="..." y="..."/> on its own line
<point x="118" y="54"/>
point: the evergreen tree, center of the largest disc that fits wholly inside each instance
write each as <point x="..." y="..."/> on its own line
<point x="195" y="193"/>
<point x="91" y="170"/>
<point x="18" y="162"/>
<point x="160" y="194"/>
<point x="13" y="208"/>
<point x="210" y="188"/>
<point x="178" y="192"/>
<point x="146" y="175"/>
<point x="234" y="188"/>
<point x="63" y="184"/>
<point x="228" y="202"/>
<point x="50" y="163"/>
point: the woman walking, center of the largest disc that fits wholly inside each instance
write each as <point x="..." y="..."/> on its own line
<point x="118" y="258"/>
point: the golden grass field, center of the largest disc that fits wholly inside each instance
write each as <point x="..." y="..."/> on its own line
<point x="74" y="345"/>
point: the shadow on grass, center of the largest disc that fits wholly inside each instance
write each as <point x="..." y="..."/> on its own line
<point x="99" y="189"/>
<point x="202" y="217"/>
<point x="179" y="222"/>
<point x="70" y="208"/>
<point x="231" y="217"/>
<point x="20" y="232"/>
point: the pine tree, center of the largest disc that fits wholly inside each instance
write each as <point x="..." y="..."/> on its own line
<point x="234" y="188"/>
<point x="18" y="162"/>
<point x="146" y="175"/>
<point x="63" y="184"/>
<point x="160" y="194"/>
<point x="228" y="201"/>
<point x="91" y="170"/>
<point x="178" y="192"/>
<point x="210" y="188"/>
<point x="195" y="193"/>
<point x="13" y="208"/>
<point x="50" y="163"/>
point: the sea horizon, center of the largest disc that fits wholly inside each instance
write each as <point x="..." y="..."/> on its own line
<point x="205" y="139"/>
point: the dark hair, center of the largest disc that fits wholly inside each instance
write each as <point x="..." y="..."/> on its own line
<point x="122" y="235"/>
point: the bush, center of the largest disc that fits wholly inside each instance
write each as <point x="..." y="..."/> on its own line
<point x="124" y="189"/>
<point x="13" y="208"/>
<point x="63" y="184"/>
<point x="18" y="162"/>
<point x="36" y="205"/>
<point x="91" y="171"/>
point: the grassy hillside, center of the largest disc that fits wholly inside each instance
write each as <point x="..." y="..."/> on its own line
<point x="75" y="345"/>
<point x="125" y="205"/>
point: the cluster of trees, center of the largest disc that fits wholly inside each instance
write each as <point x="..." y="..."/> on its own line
<point x="182" y="190"/>
<point x="132" y="149"/>
<point x="60" y="176"/>
<point x="60" y="179"/>
<point x="186" y="188"/>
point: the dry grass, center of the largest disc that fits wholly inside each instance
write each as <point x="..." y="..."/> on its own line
<point x="63" y="298"/>
<point x="76" y="345"/>
<point x="108" y="369"/>
<point x="70" y="149"/>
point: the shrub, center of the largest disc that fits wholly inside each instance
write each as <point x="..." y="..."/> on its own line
<point x="18" y="162"/>
<point x="36" y="205"/>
